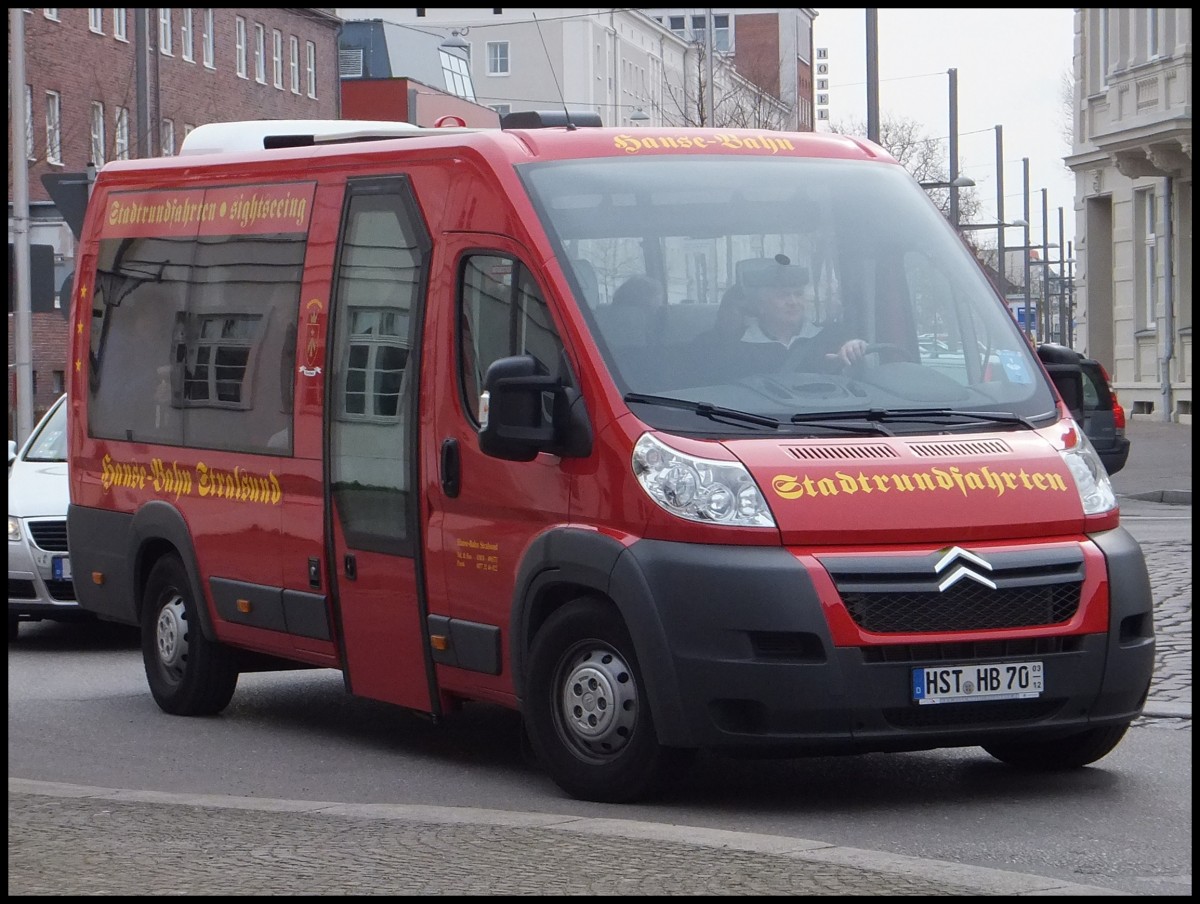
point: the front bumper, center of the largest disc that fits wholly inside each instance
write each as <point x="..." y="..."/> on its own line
<point x="747" y="649"/>
<point x="34" y="592"/>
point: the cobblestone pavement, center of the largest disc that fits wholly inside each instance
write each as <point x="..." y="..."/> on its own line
<point x="1170" y="702"/>
<point x="107" y="842"/>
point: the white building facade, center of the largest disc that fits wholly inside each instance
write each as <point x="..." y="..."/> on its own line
<point x="1132" y="159"/>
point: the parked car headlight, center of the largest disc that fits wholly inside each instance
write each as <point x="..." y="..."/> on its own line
<point x="713" y="492"/>
<point x="1091" y="477"/>
<point x="14" y="529"/>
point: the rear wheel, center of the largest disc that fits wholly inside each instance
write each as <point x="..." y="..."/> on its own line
<point x="1071" y="752"/>
<point x="188" y="674"/>
<point x="14" y="628"/>
<point x="587" y="713"/>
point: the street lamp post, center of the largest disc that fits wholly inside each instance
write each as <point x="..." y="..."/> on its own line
<point x="1000" y="209"/>
<point x="953" y="73"/>
<point x="1025" y="179"/>
<point x="1044" y="314"/>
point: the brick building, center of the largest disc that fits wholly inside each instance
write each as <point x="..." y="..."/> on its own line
<point x="104" y="84"/>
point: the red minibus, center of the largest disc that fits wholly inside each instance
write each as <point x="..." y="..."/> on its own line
<point x="641" y="433"/>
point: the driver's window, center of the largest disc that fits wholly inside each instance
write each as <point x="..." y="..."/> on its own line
<point x="502" y="312"/>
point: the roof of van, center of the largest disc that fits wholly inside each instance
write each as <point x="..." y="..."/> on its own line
<point x="255" y="135"/>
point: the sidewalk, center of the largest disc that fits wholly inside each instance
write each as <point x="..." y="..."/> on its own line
<point x="1159" y="468"/>
<point x="72" y="839"/>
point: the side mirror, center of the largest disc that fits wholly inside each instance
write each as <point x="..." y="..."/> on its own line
<point x="523" y="412"/>
<point x="12" y="451"/>
<point x="1066" y="372"/>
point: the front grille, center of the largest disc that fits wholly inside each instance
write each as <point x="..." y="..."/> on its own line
<point x="900" y="594"/>
<point x="951" y="715"/>
<point x="963" y="607"/>
<point x="20" y="589"/>
<point x="49" y="535"/>
<point x="61" y="590"/>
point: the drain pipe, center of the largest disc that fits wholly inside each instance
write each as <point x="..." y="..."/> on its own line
<point x="1168" y="347"/>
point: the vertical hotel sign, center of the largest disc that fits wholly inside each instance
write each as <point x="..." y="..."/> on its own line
<point x="239" y="210"/>
<point x="821" y="82"/>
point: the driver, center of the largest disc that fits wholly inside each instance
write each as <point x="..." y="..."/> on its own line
<point x="778" y="333"/>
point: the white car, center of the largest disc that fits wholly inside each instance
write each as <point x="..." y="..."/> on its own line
<point x="40" y="584"/>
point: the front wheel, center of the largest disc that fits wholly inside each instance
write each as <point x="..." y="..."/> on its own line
<point x="1071" y="752"/>
<point x="188" y="674"/>
<point x="587" y="713"/>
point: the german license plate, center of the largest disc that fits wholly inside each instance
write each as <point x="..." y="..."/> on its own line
<point x="61" y="568"/>
<point x="980" y="681"/>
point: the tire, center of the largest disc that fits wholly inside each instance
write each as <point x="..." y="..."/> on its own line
<point x="586" y="710"/>
<point x="188" y="674"/>
<point x="14" y="628"/>
<point x="1071" y="752"/>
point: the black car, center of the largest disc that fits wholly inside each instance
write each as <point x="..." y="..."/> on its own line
<point x="1103" y="418"/>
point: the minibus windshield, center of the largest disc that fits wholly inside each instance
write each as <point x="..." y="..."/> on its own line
<point x="783" y="286"/>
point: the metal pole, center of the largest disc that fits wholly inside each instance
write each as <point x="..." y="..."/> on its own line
<point x="141" y="39"/>
<point x="710" y="52"/>
<point x="953" y="73"/>
<point x="1044" y="319"/>
<point x="1071" y="293"/>
<point x="1025" y="177"/>
<point x="1000" y="213"/>
<point x="23" y="311"/>
<point x="1062" y="280"/>
<point x="873" y="75"/>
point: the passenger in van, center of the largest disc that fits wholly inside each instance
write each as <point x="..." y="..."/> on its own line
<point x="639" y="292"/>
<point x="778" y="333"/>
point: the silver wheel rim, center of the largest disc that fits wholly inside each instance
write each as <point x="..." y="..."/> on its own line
<point x="597" y="701"/>
<point x="170" y="637"/>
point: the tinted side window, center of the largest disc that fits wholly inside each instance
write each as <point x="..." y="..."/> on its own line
<point x="503" y="312"/>
<point x="194" y="310"/>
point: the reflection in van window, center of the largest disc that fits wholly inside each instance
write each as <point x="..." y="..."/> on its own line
<point x="202" y="356"/>
<point x="377" y="294"/>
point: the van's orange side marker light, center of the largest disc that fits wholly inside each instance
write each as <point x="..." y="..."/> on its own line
<point x="439" y="642"/>
<point x="243" y="606"/>
<point x="97" y="578"/>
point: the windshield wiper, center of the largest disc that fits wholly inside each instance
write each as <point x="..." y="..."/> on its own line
<point x="877" y="415"/>
<point x="705" y="409"/>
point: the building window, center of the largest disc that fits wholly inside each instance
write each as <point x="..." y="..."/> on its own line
<point x="60" y="383"/>
<point x="501" y="109"/>
<point x="185" y="36"/>
<point x="497" y="57"/>
<point x="30" y="153"/>
<point x="457" y="76"/>
<point x="166" y="45"/>
<point x="1102" y="43"/>
<point x="120" y="26"/>
<point x="277" y="57"/>
<point x="1148" y="215"/>
<point x="260" y="54"/>
<point x="294" y="62"/>
<point x="121" y="138"/>
<point x="240" y="36"/>
<point x="168" y="138"/>
<point x="676" y="24"/>
<point x="210" y="50"/>
<point x="51" y="13"/>
<point x="1151" y="33"/>
<point x="311" y="54"/>
<point x="96" y="19"/>
<point x="98" y="134"/>
<point x="53" y="127"/>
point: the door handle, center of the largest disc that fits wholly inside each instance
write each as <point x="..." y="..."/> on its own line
<point x="351" y="567"/>
<point x="451" y="468"/>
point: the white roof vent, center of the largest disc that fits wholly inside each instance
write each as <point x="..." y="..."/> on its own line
<point x="255" y="135"/>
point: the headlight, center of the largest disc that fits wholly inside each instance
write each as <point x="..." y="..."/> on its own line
<point x="1091" y="478"/>
<point x="713" y="492"/>
<point x="14" y="529"/>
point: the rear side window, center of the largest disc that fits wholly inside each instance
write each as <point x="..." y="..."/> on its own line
<point x="194" y="309"/>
